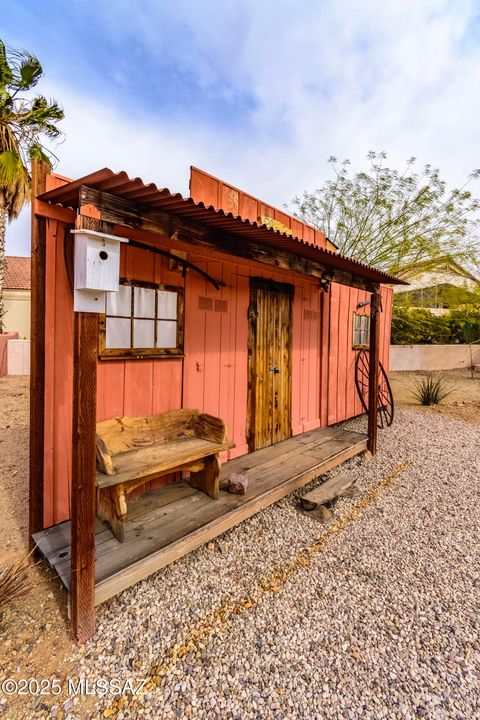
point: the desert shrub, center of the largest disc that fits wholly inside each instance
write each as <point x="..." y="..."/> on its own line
<point x="14" y="582"/>
<point x="431" y="390"/>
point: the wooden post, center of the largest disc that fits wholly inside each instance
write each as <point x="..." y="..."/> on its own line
<point x="40" y="171"/>
<point x="375" y="310"/>
<point x="85" y="351"/>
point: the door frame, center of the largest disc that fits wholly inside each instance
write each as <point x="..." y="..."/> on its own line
<point x="259" y="283"/>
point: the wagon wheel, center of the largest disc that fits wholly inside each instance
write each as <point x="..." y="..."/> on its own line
<point x="385" y="397"/>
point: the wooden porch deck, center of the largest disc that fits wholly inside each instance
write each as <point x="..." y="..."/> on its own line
<point x="165" y="524"/>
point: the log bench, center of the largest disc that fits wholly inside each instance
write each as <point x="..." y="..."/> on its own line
<point x="133" y="451"/>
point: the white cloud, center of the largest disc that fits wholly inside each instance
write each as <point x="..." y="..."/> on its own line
<point x="328" y="78"/>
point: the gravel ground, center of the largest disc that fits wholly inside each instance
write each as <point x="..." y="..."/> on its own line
<point x="463" y="402"/>
<point x="378" y="620"/>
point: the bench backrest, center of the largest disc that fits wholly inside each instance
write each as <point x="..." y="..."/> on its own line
<point x="122" y="434"/>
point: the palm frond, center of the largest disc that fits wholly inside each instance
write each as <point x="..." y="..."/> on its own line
<point x="25" y="123"/>
<point x="30" y="71"/>
<point x="14" y="183"/>
<point x="11" y="167"/>
<point x="6" y="72"/>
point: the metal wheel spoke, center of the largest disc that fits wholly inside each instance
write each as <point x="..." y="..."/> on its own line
<point x="384" y="398"/>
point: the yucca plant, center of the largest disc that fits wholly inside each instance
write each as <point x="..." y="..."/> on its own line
<point x="431" y="390"/>
<point x="14" y="582"/>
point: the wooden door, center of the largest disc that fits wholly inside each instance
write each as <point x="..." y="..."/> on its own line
<point x="270" y="363"/>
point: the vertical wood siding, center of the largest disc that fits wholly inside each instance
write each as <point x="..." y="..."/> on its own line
<point x="213" y="376"/>
<point x="342" y="399"/>
<point x="58" y="380"/>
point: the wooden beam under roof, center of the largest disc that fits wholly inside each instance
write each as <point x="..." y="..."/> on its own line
<point x="129" y="214"/>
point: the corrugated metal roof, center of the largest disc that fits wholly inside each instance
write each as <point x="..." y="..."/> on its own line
<point x="17" y="273"/>
<point x="150" y="196"/>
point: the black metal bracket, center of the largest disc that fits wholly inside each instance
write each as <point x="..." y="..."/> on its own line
<point x="369" y="302"/>
<point x="217" y="284"/>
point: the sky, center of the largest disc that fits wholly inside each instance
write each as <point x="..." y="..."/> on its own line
<point x="258" y="92"/>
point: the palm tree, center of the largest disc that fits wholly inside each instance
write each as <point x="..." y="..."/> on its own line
<point x="24" y="125"/>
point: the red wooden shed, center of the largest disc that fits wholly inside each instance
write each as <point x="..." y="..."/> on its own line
<point x="226" y="306"/>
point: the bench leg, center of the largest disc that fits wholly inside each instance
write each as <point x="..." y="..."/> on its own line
<point x="112" y="508"/>
<point x="208" y="478"/>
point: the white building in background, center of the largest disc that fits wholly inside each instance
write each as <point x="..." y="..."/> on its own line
<point x="16" y="296"/>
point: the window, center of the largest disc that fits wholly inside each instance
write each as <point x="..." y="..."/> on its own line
<point x="361" y="330"/>
<point x="142" y="320"/>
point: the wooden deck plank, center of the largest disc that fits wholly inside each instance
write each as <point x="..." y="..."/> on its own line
<point x="272" y="459"/>
<point x="157" y="530"/>
<point x="167" y="523"/>
<point x="327" y="491"/>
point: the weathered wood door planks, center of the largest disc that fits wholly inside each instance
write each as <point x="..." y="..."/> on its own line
<point x="270" y="362"/>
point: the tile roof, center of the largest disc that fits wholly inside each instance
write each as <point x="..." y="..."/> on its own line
<point x="17" y="273"/>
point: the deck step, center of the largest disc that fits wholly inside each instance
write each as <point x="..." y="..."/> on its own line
<point x="327" y="491"/>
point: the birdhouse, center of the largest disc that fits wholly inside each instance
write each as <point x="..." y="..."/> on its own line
<point x="97" y="269"/>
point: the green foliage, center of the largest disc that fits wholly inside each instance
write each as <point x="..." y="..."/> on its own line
<point x="443" y="295"/>
<point x="465" y="325"/>
<point x="24" y="124"/>
<point x="396" y="221"/>
<point x="420" y="327"/>
<point x="431" y="390"/>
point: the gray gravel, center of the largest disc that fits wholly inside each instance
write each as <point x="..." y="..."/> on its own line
<point x="381" y="623"/>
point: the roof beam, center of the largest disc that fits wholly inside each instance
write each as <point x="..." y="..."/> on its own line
<point x="129" y="214"/>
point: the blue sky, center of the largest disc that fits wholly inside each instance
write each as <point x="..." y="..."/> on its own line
<point x="258" y="92"/>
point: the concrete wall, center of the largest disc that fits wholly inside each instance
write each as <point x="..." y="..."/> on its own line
<point x="433" y="357"/>
<point x="17" y="317"/>
<point x="18" y="357"/>
<point x="4" y="339"/>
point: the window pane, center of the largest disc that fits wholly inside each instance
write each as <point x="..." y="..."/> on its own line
<point x="144" y="303"/>
<point x="117" y="333"/>
<point x="120" y="303"/>
<point x="144" y="333"/>
<point x="166" y="334"/>
<point x="167" y="305"/>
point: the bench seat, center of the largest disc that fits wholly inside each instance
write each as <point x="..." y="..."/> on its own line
<point x="133" y="451"/>
<point x="149" y="463"/>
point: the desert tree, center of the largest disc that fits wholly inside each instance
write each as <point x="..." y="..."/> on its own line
<point x="27" y="122"/>
<point x="401" y="222"/>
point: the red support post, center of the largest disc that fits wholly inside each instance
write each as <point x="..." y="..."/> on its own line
<point x="40" y="171"/>
<point x="85" y="352"/>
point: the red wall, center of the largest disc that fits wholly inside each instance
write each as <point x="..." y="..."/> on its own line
<point x="213" y="375"/>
